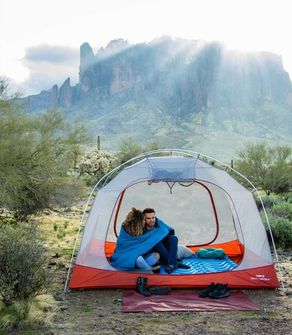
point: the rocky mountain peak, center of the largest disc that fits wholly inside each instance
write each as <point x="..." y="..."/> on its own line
<point x="65" y="94"/>
<point x="112" y="48"/>
<point x="86" y="56"/>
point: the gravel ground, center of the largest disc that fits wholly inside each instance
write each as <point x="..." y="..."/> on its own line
<point x="99" y="312"/>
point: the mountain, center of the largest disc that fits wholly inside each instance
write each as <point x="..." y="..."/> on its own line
<point x="181" y="93"/>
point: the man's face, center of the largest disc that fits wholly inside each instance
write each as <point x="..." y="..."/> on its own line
<point x="149" y="220"/>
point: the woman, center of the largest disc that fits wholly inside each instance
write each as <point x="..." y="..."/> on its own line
<point x="134" y="225"/>
<point x="133" y="249"/>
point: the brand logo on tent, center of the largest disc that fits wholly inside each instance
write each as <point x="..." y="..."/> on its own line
<point x="260" y="277"/>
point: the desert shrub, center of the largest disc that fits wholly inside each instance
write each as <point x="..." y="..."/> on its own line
<point x="269" y="201"/>
<point x="129" y="149"/>
<point x="282" y="210"/>
<point x="36" y="154"/>
<point x="95" y="164"/>
<point x="282" y="231"/>
<point x="269" y="168"/>
<point x="23" y="270"/>
<point x="287" y="197"/>
<point x="13" y="315"/>
<point x="279" y="211"/>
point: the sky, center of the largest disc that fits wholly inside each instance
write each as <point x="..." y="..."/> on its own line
<point x="40" y="40"/>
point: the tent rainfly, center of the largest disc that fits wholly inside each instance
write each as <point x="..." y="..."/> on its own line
<point x="205" y="205"/>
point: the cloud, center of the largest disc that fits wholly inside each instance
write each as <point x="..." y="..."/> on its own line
<point x="49" y="65"/>
<point x="51" y="54"/>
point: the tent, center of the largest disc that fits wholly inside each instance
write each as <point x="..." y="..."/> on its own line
<point x="206" y="206"/>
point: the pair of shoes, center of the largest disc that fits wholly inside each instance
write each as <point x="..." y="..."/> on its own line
<point x="182" y="266"/>
<point x="205" y="293"/>
<point x="221" y="291"/>
<point x="141" y="287"/>
<point x="216" y="291"/>
<point x="169" y="268"/>
<point x="155" y="290"/>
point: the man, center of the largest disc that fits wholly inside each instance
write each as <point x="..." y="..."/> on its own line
<point x="166" y="248"/>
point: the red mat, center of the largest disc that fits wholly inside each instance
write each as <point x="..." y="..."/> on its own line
<point x="180" y="301"/>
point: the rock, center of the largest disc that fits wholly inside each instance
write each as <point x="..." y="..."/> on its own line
<point x="57" y="297"/>
<point x="65" y="94"/>
<point x="54" y="97"/>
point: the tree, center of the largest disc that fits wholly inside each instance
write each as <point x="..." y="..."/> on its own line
<point x="36" y="153"/>
<point x="269" y="168"/>
<point x="129" y="149"/>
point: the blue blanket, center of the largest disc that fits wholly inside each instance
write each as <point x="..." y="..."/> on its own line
<point x="129" y="248"/>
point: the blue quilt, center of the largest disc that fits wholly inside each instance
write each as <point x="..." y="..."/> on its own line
<point x="129" y="248"/>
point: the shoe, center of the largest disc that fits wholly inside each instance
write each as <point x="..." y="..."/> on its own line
<point x="221" y="291"/>
<point x="183" y="266"/>
<point x="155" y="290"/>
<point x="205" y="293"/>
<point x="169" y="268"/>
<point x="141" y="287"/>
<point x="155" y="269"/>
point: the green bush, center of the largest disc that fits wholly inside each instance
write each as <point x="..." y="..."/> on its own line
<point x="14" y="314"/>
<point x="269" y="201"/>
<point x="129" y="149"/>
<point x="279" y="211"/>
<point x="282" y="210"/>
<point x="94" y="165"/>
<point x="282" y="231"/>
<point x="287" y="197"/>
<point x="37" y="156"/>
<point x="23" y="270"/>
<point x="268" y="168"/>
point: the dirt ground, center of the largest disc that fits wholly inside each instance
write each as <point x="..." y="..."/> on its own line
<point x="99" y="312"/>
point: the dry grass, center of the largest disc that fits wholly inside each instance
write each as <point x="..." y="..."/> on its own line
<point x="24" y="316"/>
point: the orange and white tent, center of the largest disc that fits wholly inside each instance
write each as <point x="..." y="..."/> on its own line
<point x="205" y="205"/>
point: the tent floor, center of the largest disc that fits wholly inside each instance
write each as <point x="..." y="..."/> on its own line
<point x="199" y="266"/>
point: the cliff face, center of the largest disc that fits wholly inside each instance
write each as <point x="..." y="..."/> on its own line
<point x="190" y="76"/>
<point x="186" y="77"/>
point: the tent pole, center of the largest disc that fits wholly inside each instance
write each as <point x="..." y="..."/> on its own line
<point x="273" y="241"/>
<point x="76" y="240"/>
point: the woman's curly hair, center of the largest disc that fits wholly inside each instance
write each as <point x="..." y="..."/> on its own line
<point x="134" y="223"/>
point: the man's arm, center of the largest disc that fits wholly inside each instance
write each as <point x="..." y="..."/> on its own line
<point x="160" y="223"/>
